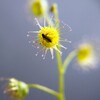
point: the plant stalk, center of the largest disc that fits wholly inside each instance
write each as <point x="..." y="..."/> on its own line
<point x="61" y="77"/>
<point x="45" y="89"/>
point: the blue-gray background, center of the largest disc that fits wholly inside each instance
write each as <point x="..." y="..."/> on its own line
<point x="17" y="57"/>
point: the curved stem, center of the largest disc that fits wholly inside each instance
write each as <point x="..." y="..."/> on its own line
<point x="68" y="60"/>
<point x="45" y="89"/>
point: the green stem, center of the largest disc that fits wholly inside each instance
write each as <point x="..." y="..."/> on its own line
<point x="45" y="89"/>
<point x="68" y="60"/>
<point x="59" y="61"/>
<point x="61" y="95"/>
<point x="60" y="65"/>
<point x="61" y="87"/>
<point x="48" y="19"/>
<point x="61" y="77"/>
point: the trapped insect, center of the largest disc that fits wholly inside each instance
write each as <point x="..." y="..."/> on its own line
<point x="46" y="38"/>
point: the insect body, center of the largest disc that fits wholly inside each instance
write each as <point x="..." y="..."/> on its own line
<point x="46" y="38"/>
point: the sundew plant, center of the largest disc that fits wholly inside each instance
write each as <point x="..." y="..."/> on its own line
<point x="48" y="38"/>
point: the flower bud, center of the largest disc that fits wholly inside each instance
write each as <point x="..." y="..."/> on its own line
<point x="16" y="89"/>
<point x="39" y="7"/>
<point x="53" y="8"/>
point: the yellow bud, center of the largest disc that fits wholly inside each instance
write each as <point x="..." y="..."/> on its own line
<point x="39" y="7"/>
<point x="53" y="8"/>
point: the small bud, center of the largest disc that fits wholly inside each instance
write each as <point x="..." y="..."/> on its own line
<point x="16" y="89"/>
<point x="39" y="7"/>
<point x="53" y="8"/>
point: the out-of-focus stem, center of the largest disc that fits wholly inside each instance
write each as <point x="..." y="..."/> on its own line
<point x="48" y="19"/>
<point x="45" y="89"/>
<point x="68" y="60"/>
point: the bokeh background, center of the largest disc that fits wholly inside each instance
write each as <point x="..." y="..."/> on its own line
<point x="17" y="56"/>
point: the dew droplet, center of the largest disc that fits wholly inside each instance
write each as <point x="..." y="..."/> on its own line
<point x="42" y="55"/>
<point x="28" y="35"/>
<point x="36" y="54"/>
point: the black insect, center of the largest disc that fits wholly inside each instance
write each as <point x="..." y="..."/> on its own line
<point x="46" y="38"/>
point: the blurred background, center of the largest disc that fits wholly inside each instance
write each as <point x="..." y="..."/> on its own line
<point x="17" y="56"/>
